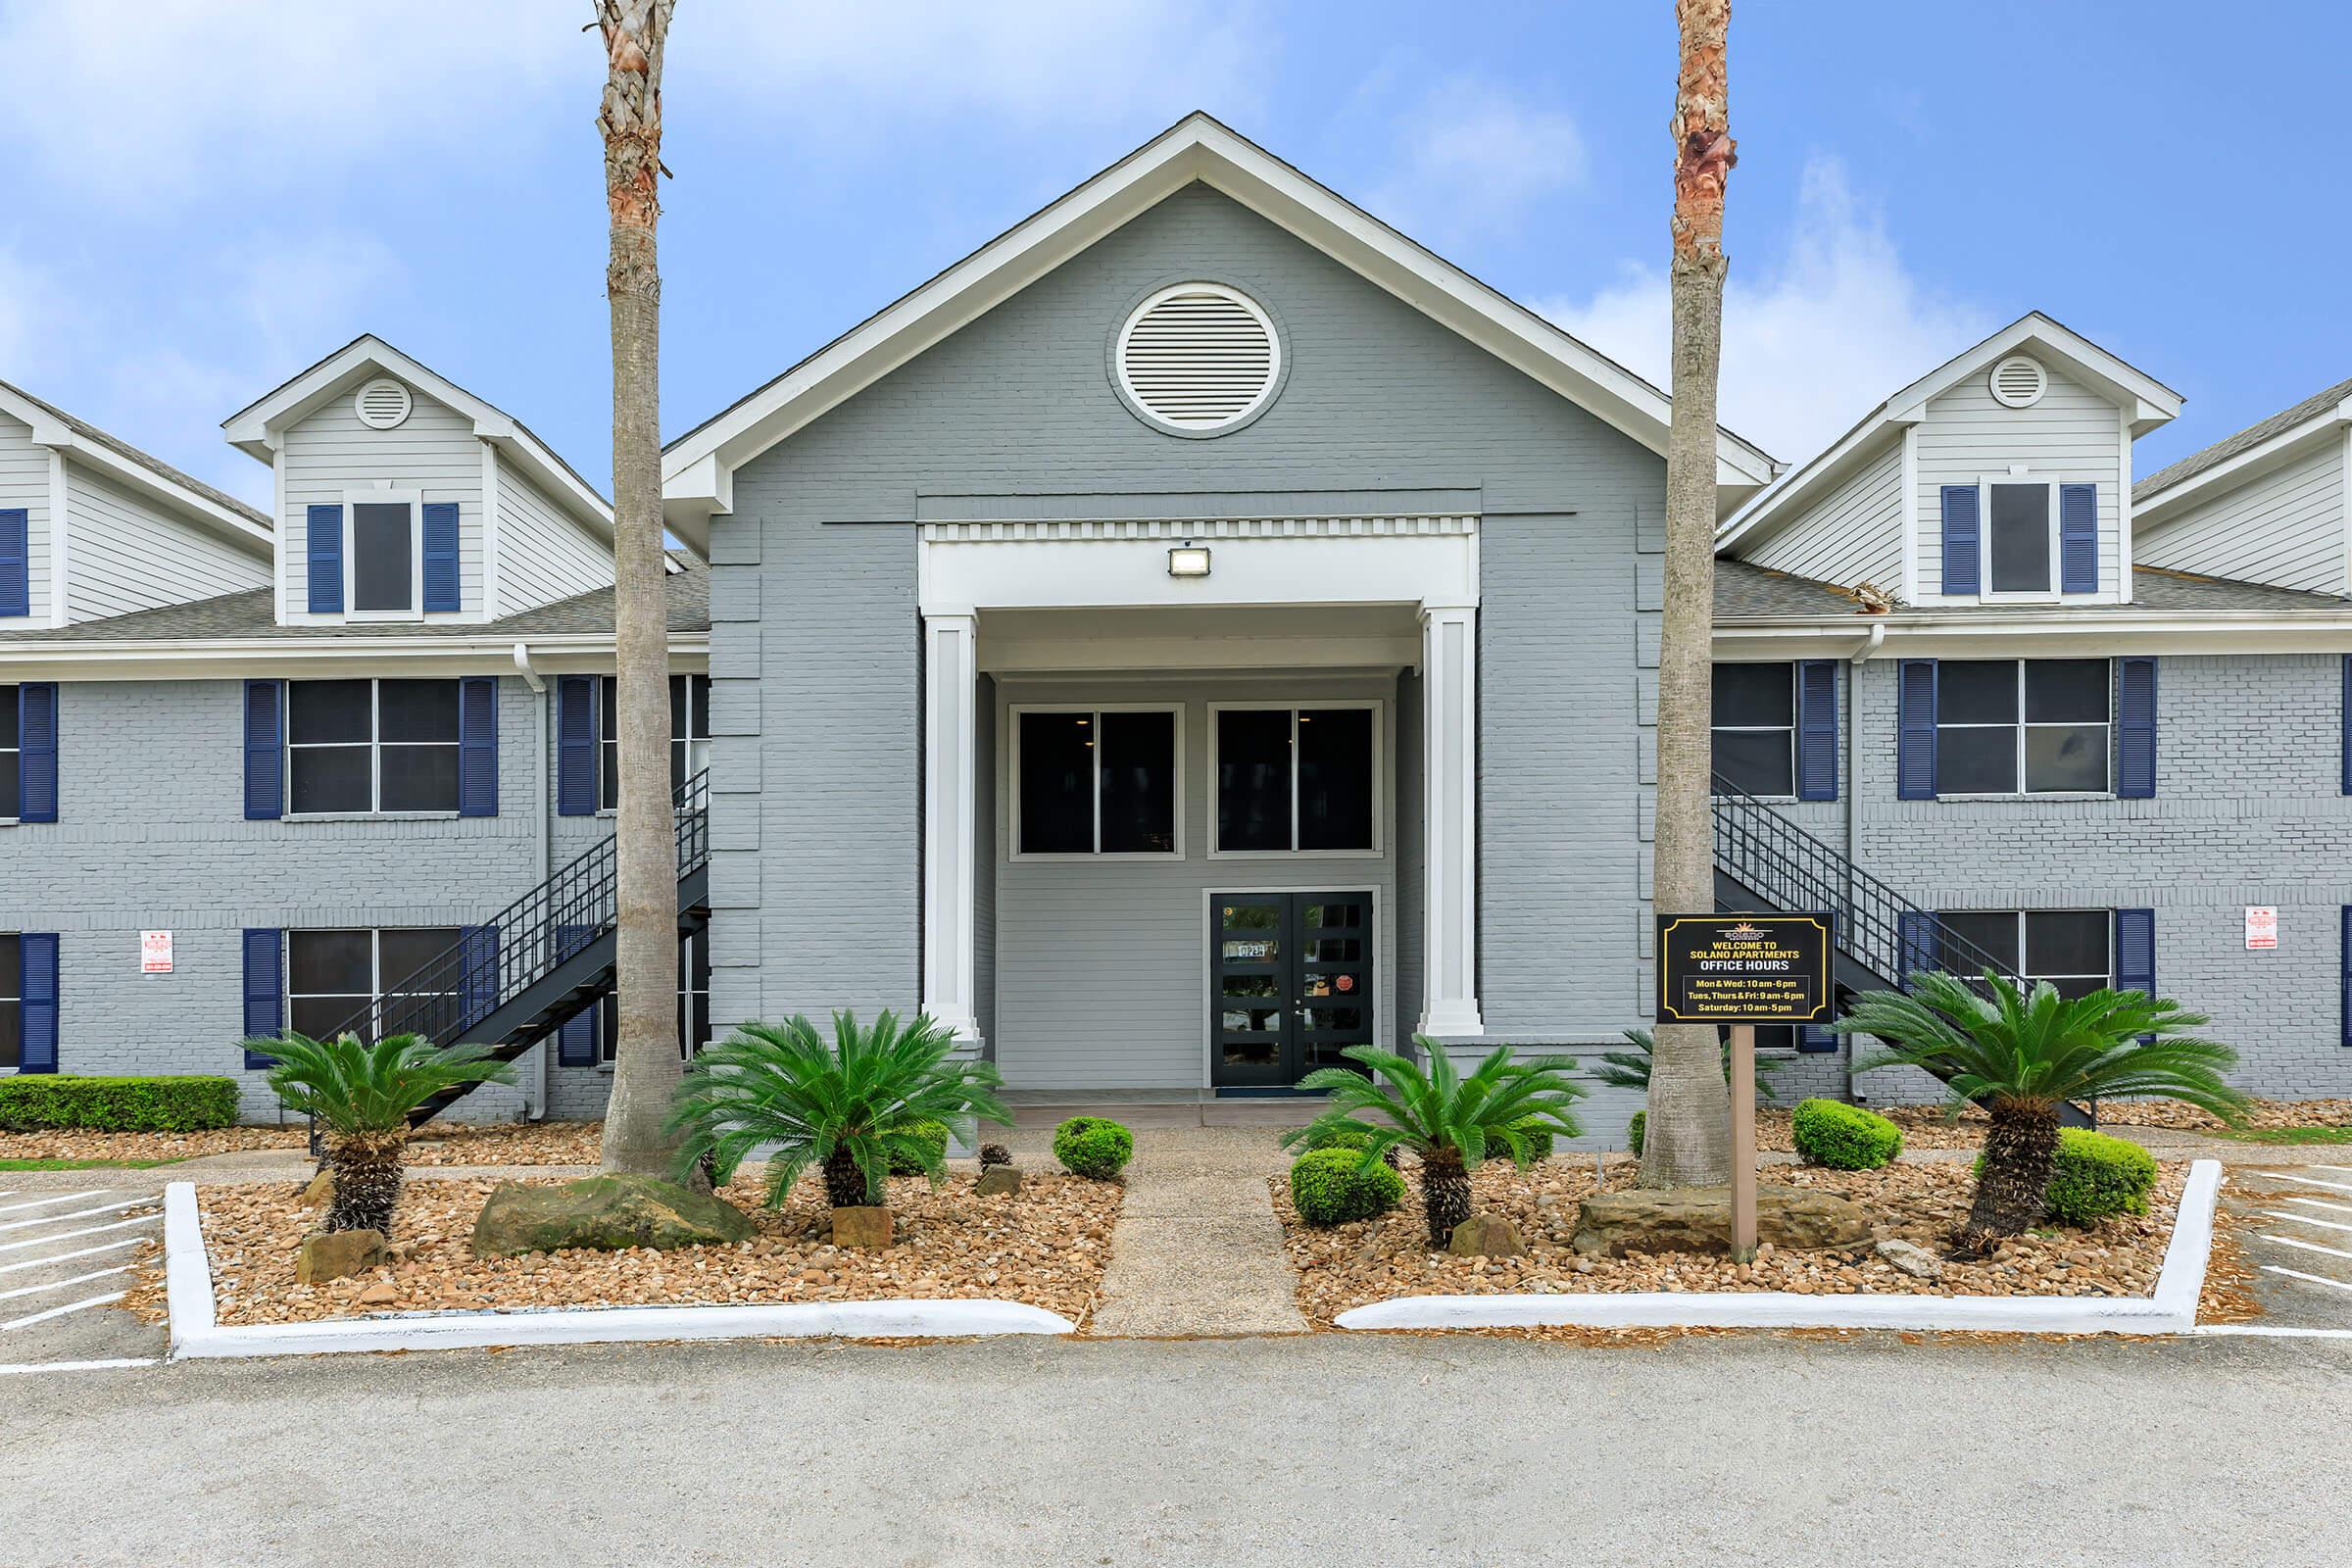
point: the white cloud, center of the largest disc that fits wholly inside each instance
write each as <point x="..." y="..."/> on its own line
<point x="1811" y="343"/>
<point x="1476" y="163"/>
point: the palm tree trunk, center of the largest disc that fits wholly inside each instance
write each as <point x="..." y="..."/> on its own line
<point x="646" y="1058"/>
<point x="366" y="1168"/>
<point x="1444" y="1194"/>
<point x="1686" y="1138"/>
<point x="845" y="1183"/>
<point x="2019" y="1151"/>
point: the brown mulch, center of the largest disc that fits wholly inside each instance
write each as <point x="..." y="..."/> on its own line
<point x="71" y="1143"/>
<point x="507" y="1142"/>
<point x="1924" y="1127"/>
<point x="1371" y="1260"/>
<point x="1048" y="1247"/>
<point x="2260" y="1114"/>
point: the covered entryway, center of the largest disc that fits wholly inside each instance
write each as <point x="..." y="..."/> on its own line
<point x="1291" y="986"/>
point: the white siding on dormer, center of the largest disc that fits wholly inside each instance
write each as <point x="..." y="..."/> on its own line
<point x="24" y="482"/>
<point x="2284" y="527"/>
<point x="123" y="552"/>
<point x="434" y="451"/>
<point x="1852" y="535"/>
<point x="2074" y="435"/>
<point x="543" y="554"/>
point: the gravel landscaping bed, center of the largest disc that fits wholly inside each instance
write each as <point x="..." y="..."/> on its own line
<point x="2268" y="1113"/>
<point x="1047" y="1247"/>
<point x="66" y="1142"/>
<point x="507" y="1142"/>
<point x="1372" y="1260"/>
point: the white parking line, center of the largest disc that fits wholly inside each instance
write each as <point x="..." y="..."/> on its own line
<point x="60" y="1311"/>
<point x="43" y="1203"/>
<point x="58" y="1285"/>
<point x="2299" y="1274"/>
<point x="2320" y="1202"/>
<point x="2308" y="1246"/>
<point x="107" y="1209"/>
<point x="2333" y="1186"/>
<point x="2341" y="1170"/>
<point x="44" y="1262"/>
<point x="76" y="1366"/>
<point x="2306" y="1219"/>
<point x="66" y="1236"/>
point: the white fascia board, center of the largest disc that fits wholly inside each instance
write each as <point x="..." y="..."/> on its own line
<point x="492" y="654"/>
<point x="2042" y="633"/>
<point x="2252" y="464"/>
<point x="2150" y="400"/>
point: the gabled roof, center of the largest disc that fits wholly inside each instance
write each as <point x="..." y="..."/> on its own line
<point x="2149" y="402"/>
<point x="257" y="428"/>
<point x="2250" y="450"/>
<point x="53" y="426"/>
<point x="698" y="469"/>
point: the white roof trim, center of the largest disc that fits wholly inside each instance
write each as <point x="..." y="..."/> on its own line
<point x="2239" y="467"/>
<point x="258" y="429"/>
<point x="52" y="432"/>
<point x="2148" y="402"/>
<point x="189" y="659"/>
<point x="699" y="465"/>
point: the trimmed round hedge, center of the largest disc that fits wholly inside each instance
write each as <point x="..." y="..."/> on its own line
<point x="1634" y="1130"/>
<point x="934" y="1133"/>
<point x="1333" y="1186"/>
<point x="1842" y="1137"/>
<point x="1347" y="1138"/>
<point x="2095" y="1175"/>
<point x="1094" y="1146"/>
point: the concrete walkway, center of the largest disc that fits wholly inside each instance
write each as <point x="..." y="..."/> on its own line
<point x="1198" y="1249"/>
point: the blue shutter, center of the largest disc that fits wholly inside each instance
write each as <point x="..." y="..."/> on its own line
<point x="2078" y="538"/>
<point x="265" y="749"/>
<point x="36" y="742"/>
<point x="441" y="555"/>
<point x="1817" y="729"/>
<point x="477" y="745"/>
<point x="1915" y="944"/>
<point x="2136" y="954"/>
<point x="1815" y="1036"/>
<point x="575" y="745"/>
<point x="326" y="561"/>
<point x="2135" y="729"/>
<point x="2344" y="965"/>
<point x="38" y="953"/>
<point x="1962" y="554"/>
<point x="2348" y="724"/>
<point x="478" y="980"/>
<point x="16" y="562"/>
<point x="1915" y="730"/>
<point x="264" y="990"/>
<point x="575" y="1041"/>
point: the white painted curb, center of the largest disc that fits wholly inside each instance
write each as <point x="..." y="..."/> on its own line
<point x="195" y="1333"/>
<point x="2172" y="1309"/>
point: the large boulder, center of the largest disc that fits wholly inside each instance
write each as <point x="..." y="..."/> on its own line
<point x="337" y="1254"/>
<point x="861" y="1225"/>
<point x="1487" y="1236"/>
<point x="1699" y="1219"/>
<point x="604" y="1213"/>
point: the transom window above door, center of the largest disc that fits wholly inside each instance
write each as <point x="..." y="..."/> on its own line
<point x="1295" y="781"/>
<point x="2031" y="726"/>
<point x="1095" y="781"/>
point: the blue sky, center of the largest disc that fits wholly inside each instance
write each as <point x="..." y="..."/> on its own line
<point x="206" y="195"/>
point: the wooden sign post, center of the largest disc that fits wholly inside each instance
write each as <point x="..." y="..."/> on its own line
<point x="1741" y="970"/>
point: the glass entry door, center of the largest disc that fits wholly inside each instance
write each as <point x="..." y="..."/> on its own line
<point x="1291" y="985"/>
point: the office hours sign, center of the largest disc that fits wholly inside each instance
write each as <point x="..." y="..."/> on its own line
<point x="1744" y="968"/>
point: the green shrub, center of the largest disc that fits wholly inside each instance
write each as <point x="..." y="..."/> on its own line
<point x="1633" y="1132"/>
<point x="1094" y="1146"/>
<point x="33" y="1101"/>
<point x="1346" y="1138"/>
<point x="1535" y="1136"/>
<point x="1332" y="1185"/>
<point x="906" y="1162"/>
<point x="1844" y="1137"/>
<point x="2094" y="1176"/>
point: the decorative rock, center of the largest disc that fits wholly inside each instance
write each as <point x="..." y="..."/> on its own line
<point x="604" y="1213"/>
<point x="1487" y="1236"/>
<point x="381" y="1293"/>
<point x="1699" y="1219"/>
<point x="320" y="1192"/>
<point x="998" y="1180"/>
<point x="1912" y="1258"/>
<point x="337" y="1254"/>
<point x="861" y="1225"/>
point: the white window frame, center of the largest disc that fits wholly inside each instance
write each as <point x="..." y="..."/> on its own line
<point x="1762" y="730"/>
<point x="1380" y="779"/>
<point x="695" y="760"/>
<point x="352" y="500"/>
<point x="1984" y="588"/>
<point x="17" y="1001"/>
<point x="2021" y="725"/>
<point x="2106" y="926"/>
<point x="375" y="756"/>
<point x="1012" y="783"/>
<point x="376" y="965"/>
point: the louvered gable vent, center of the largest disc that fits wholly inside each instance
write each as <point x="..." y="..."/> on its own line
<point x="2019" y="382"/>
<point x="382" y="404"/>
<point x="1199" y="359"/>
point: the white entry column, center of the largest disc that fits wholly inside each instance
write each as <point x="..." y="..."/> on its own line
<point x="1449" y="810"/>
<point x="951" y="795"/>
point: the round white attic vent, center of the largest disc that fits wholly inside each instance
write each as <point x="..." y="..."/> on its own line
<point x="2019" y="382"/>
<point x="1198" y="359"/>
<point x="382" y="404"/>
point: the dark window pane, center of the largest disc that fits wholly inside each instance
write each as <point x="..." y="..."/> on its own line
<point x="1776" y="1037"/>
<point x="1334" y="916"/>
<point x="1058" y="784"/>
<point x="330" y="778"/>
<point x="1755" y="694"/>
<point x="1334" y="778"/>
<point x="1335" y="1018"/>
<point x="405" y="951"/>
<point x="420" y="778"/>
<point x="1253" y="778"/>
<point x="1976" y="691"/>
<point x="1252" y="916"/>
<point x="608" y="706"/>
<point x="321" y="711"/>
<point x="1994" y="935"/>
<point x="11" y="1034"/>
<point x="2021" y="538"/>
<point x="1138" y="783"/>
<point x="11" y="799"/>
<point x="11" y="967"/>
<point x="1243" y="985"/>
<point x="1760" y="762"/>
<point x="380" y="560"/>
<point x="677" y="766"/>
<point x="2072" y="987"/>
<point x="677" y="706"/>
<point x="1334" y="950"/>
<point x="2062" y="756"/>
<point x="321" y="1018"/>
<point x="1976" y="761"/>
<point x="699" y="969"/>
<point x="699" y="687"/>
<point x="418" y="709"/>
<point x="2067" y="942"/>
<point x="2067" y="691"/>
<point x="8" y="716"/>
<point x="329" y="963"/>
<point x="608" y="776"/>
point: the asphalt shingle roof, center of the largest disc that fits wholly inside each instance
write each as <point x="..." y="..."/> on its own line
<point x="152" y="464"/>
<point x="1744" y="590"/>
<point x="2253" y="435"/>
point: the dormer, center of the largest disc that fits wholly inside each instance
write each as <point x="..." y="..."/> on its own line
<point x="403" y="497"/>
<point x="2000" y="478"/>
<point x="2272" y="503"/>
<point x="90" y="526"/>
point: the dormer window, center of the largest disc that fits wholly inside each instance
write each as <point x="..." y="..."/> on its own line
<point x="386" y="563"/>
<point x="2008" y="536"/>
<point x="2020" y="539"/>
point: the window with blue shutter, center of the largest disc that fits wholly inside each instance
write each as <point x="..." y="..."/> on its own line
<point x="1817" y="729"/>
<point x="38" y="953"/>
<point x="325" y="545"/>
<point x="2135" y="953"/>
<point x="575" y="1041"/>
<point x="1963" y="551"/>
<point x="2135" y="729"/>
<point x="2078" y="538"/>
<point x="1915" y="730"/>
<point x="477" y="745"/>
<point x="265" y="749"/>
<point x="478" y="981"/>
<point x="264" y="990"/>
<point x="36" y="753"/>
<point x="1915" y="944"/>
<point x="16" y="561"/>
<point x="575" y="745"/>
<point x="441" y="590"/>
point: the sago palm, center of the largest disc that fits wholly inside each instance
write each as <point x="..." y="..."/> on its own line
<point x="2022" y="1054"/>
<point x="1452" y="1121"/>
<point x="848" y="1107"/>
<point x="363" y="1096"/>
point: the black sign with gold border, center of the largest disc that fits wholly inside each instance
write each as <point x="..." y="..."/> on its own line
<point x="1744" y="968"/>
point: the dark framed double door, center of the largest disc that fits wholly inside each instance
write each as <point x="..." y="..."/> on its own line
<point x="1291" y="985"/>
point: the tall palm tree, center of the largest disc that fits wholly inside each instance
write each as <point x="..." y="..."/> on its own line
<point x="2022" y="1054"/>
<point x="1688" y="1142"/>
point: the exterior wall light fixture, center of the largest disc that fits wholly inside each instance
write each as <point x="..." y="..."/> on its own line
<point x="1187" y="560"/>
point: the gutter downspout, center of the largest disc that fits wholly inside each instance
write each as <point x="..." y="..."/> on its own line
<point x="1853" y="780"/>
<point x="543" y="833"/>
